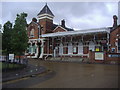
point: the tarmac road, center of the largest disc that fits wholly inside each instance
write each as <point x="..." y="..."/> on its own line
<point x="70" y="75"/>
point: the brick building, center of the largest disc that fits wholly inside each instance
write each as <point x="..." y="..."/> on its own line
<point x="48" y="39"/>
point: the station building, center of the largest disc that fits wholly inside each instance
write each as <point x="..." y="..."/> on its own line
<point x="48" y="39"/>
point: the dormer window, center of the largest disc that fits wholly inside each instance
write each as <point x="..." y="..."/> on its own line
<point x="32" y="33"/>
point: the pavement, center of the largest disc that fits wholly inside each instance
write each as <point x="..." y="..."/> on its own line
<point x="29" y="71"/>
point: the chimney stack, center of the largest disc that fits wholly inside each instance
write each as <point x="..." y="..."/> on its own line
<point x="63" y="23"/>
<point x="34" y="20"/>
<point x="115" y="21"/>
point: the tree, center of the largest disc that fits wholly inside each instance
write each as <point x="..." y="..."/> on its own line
<point x="0" y="26"/>
<point x="0" y="39"/>
<point x="6" y="38"/>
<point x="20" y="39"/>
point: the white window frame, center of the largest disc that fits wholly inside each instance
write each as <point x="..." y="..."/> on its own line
<point x="32" y="32"/>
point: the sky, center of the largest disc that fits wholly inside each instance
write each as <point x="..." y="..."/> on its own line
<point x="77" y="15"/>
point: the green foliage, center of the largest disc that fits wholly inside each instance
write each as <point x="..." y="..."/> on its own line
<point x="8" y="66"/>
<point x="20" y="38"/>
<point x="0" y="26"/>
<point x="14" y="39"/>
<point x="6" y="37"/>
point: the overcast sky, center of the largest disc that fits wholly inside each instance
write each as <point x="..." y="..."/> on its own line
<point x="78" y="15"/>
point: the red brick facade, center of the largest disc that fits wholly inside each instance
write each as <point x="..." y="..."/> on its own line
<point x="47" y="25"/>
<point x="33" y="26"/>
<point x="114" y="37"/>
<point x="49" y="39"/>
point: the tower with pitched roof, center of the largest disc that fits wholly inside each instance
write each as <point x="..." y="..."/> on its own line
<point x="45" y="17"/>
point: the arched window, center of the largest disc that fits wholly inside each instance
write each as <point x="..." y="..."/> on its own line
<point x="32" y="33"/>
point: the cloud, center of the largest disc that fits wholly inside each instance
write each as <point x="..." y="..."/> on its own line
<point x="85" y="15"/>
<point x="11" y="9"/>
<point x="0" y="12"/>
<point x="79" y="15"/>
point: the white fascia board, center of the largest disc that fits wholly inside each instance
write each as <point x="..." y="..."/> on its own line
<point x="42" y="15"/>
<point x="60" y="27"/>
<point x="45" y="16"/>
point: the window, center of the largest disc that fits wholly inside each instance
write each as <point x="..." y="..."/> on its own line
<point x="34" y="49"/>
<point x="32" y="33"/>
<point x="74" y="50"/>
<point x="91" y="46"/>
<point x="30" y="49"/>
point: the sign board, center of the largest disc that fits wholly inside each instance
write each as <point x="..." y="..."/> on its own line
<point x="99" y="56"/>
<point x="97" y="49"/>
<point x="114" y="55"/>
<point x="11" y="56"/>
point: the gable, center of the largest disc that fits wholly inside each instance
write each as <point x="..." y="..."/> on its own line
<point x="32" y="30"/>
<point x="32" y="24"/>
<point x="115" y="29"/>
<point x="59" y="29"/>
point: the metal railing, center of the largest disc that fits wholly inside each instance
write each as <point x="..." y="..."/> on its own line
<point x="15" y="60"/>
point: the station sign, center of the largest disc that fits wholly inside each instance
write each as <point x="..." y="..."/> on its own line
<point x="99" y="56"/>
<point x="114" y="55"/>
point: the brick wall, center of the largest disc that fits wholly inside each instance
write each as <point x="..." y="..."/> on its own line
<point x="35" y="27"/>
<point x="107" y="58"/>
<point x="92" y="58"/>
<point x="85" y="49"/>
<point x="113" y="37"/>
<point x="47" y="25"/>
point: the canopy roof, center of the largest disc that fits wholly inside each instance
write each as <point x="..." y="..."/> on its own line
<point x="78" y="32"/>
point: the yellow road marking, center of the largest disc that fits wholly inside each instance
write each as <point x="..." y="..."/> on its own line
<point x="13" y="81"/>
<point x="25" y="78"/>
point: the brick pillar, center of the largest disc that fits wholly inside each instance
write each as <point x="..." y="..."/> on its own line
<point x="105" y="56"/>
<point x="91" y="56"/>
